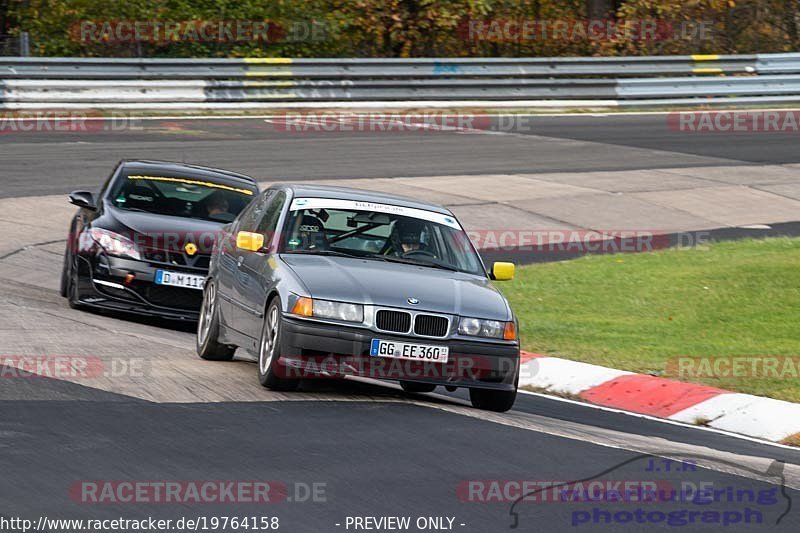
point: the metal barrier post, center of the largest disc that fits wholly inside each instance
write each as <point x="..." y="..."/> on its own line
<point x="24" y="44"/>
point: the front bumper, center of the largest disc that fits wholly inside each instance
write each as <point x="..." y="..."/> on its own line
<point x="101" y="284"/>
<point x="310" y="349"/>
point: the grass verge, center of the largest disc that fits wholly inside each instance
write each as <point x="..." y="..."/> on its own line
<point x="673" y="313"/>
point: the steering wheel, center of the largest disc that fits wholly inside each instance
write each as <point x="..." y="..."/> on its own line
<point x="425" y="253"/>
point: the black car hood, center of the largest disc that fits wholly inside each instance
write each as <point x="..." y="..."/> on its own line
<point x="392" y="284"/>
<point x="165" y="232"/>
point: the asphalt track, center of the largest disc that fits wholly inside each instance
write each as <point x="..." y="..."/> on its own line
<point x="377" y="451"/>
<point x="38" y="163"/>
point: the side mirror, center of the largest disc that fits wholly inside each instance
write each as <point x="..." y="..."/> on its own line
<point x="503" y="271"/>
<point x="82" y="199"/>
<point x="249" y="241"/>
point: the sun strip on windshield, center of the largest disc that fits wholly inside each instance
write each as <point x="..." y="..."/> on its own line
<point x="354" y="205"/>
<point x="192" y="182"/>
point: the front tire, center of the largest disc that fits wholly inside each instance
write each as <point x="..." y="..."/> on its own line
<point x="269" y="351"/>
<point x="208" y="346"/>
<point x="72" y="284"/>
<point x="64" y="288"/>
<point x="498" y="401"/>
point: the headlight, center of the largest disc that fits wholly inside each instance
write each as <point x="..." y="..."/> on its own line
<point x="494" y="329"/>
<point x="327" y="309"/>
<point x="338" y="311"/>
<point x="115" y="244"/>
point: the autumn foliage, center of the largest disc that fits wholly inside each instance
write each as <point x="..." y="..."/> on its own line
<point x="404" y="28"/>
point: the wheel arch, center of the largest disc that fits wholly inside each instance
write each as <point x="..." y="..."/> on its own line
<point x="271" y="295"/>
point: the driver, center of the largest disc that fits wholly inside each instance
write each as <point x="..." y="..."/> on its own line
<point x="409" y="233"/>
<point x="217" y="205"/>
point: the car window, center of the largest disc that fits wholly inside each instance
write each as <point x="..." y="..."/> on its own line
<point x="269" y="220"/>
<point x="252" y="215"/>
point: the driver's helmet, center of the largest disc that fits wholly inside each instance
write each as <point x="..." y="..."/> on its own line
<point x="409" y="231"/>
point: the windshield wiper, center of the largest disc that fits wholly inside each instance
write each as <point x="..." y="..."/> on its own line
<point x="405" y="261"/>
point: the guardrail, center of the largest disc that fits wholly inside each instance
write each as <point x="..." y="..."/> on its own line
<point x="97" y="68"/>
<point x="97" y="82"/>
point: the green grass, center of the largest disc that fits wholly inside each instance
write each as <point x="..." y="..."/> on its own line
<point x="637" y="311"/>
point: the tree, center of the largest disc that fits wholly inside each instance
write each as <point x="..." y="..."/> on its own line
<point x="416" y="28"/>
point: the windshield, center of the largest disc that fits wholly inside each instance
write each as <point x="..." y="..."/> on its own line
<point x="379" y="232"/>
<point x="181" y="196"/>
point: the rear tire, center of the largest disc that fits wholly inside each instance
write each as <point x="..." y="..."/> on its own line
<point x="498" y="401"/>
<point x="207" y="336"/>
<point x="412" y="386"/>
<point x="269" y="351"/>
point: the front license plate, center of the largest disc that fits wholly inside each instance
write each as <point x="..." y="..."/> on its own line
<point x="179" y="279"/>
<point x="411" y="352"/>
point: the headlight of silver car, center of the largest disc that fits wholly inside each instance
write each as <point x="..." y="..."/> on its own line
<point x="494" y="329"/>
<point x="345" y="312"/>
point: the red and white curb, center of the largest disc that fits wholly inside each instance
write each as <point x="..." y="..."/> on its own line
<point x="754" y="416"/>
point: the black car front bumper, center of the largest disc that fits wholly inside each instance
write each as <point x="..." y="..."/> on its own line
<point x="311" y="349"/>
<point x="101" y="285"/>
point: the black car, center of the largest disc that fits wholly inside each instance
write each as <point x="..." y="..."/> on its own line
<point x="142" y="244"/>
<point x="323" y="281"/>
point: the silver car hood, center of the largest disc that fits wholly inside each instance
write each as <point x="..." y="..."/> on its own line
<point x="392" y="284"/>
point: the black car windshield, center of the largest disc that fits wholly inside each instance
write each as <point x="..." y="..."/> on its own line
<point x="181" y="196"/>
<point x="380" y="232"/>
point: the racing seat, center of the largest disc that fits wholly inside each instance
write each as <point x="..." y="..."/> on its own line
<point x="311" y="233"/>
